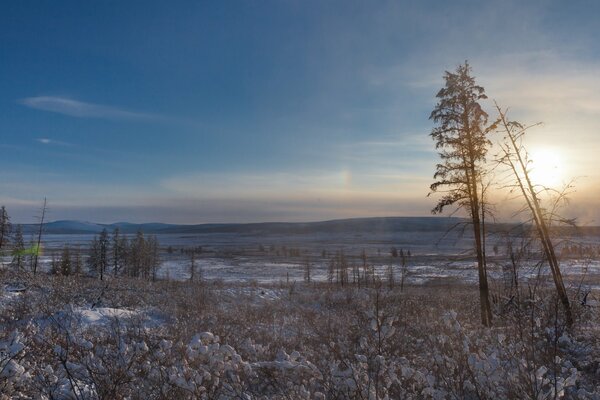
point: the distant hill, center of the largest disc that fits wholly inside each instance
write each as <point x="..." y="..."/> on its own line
<point x="352" y="225"/>
<point x="81" y="227"/>
<point x="364" y="225"/>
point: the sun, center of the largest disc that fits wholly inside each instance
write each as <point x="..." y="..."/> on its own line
<point x="547" y="167"/>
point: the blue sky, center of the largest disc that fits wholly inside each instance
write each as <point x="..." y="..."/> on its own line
<point x="239" y="111"/>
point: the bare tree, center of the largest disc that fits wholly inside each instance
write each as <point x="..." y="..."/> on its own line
<point x="404" y="270"/>
<point x="36" y="250"/>
<point x="331" y="270"/>
<point x="54" y="265"/>
<point x="93" y="261"/>
<point x="307" y="271"/>
<point x="461" y="139"/>
<point x="342" y="268"/>
<point x="65" y="262"/>
<point x="365" y="267"/>
<point x="154" y="257"/>
<point x="515" y="156"/>
<point x="5" y="227"/>
<point x="77" y="262"/>
<point x="103" y="243"/>
<point x="192" y="265"/>
<point x="137" y="248"/>
<point x="117" y="252"/>
<point x="18" y="249"/>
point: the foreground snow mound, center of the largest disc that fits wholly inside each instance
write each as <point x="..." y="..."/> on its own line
<point x="102" y="315"/>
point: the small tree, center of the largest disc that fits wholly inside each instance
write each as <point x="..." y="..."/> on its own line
<point x="390" y="276"/>
<point x="5" y="227"/>
<point x="124" y="250"/>
<point x="137" y="252"/>
<point x="93" y="261"/>
<point x="307" y="271"/>
<point x="77" y="262"/>
<point x="154" y="257"/>
<point x="365" y="267"/>
<point x="54" y="265"/>
<point x="342" y="268"/>
<point x="192" y="265"/>
<point x="18" y="250"/>
<point x="404" y="270"/>
<point x="117" y="252"/>
<point x="65" y="262"/>
<point x="355" y="274"/>
<point x="331" y="270"/>
<point x="103" y="245"/>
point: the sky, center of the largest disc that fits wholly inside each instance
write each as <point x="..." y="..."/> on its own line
<point x="248" y="111"/>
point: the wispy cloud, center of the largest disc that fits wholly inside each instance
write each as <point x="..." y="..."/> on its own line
<point x="49" y="141"/>
<point x="80" y="109"/>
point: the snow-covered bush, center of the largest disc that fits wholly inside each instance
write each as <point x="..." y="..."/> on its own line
<point x="164" y="340"/>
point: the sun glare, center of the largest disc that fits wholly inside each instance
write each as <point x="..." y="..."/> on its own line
<point x="547" y="167"/>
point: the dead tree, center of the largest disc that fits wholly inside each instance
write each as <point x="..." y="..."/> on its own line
<point x="192" y="265"/>
<point x="404" y="271"/>
<point x="36" y="251"/>
<point x="5" y="227"/>
<point x="307" y="271"/>
<point x="515" y="156"/>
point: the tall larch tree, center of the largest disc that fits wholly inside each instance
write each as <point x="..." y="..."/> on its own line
<point x="460" y="137"/>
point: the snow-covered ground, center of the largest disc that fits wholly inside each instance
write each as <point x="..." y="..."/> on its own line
<point x="235" y="258"/>
<point x="77" y="337"/>
<point x="253" y="329"/>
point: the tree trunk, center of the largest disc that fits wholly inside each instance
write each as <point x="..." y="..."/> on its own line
<point x="484" y="295"/>
<point x="39" y="238"/>
<point x="472" y="179"/>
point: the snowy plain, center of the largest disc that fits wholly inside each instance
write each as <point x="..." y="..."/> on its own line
<point x="236" y="258"/>
<point x="255" y="330"/>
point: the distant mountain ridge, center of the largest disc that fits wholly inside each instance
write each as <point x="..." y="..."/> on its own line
<point x="84" y="227"/>
<point x="374" y="224"/>
<point x="351" y="225"/>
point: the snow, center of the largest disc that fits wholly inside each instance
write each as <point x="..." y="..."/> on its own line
<point x="102" y="315"/>
<point x="248" y="333"/>
<point x="233" y="258"/>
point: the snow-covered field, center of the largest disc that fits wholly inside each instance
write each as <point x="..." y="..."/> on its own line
<point x="236" y="258"/>
<point x="252" y="328"/>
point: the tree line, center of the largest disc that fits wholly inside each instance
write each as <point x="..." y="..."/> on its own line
<point x="108" y="254"/>
<point x="138" y="257"/>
